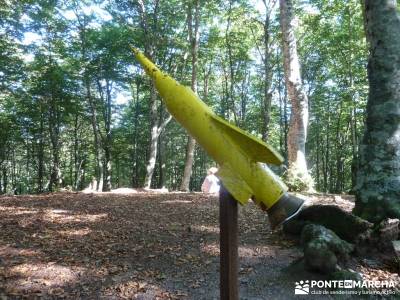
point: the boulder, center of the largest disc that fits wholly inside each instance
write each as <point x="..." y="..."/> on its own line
<point x="379" y="238"/>
<point x="294" y="226"/>
<point x="396" y="248"/>
<point x="323" y="248"/>
<point x="346" y="275"/>
<point x="318" y="257"/>
<point x="346" y="225"/>
<point x="387" y="231"/>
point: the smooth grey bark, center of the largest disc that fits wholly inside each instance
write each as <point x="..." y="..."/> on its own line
<point x="194" y="36"/>
<point x="297" y="135"/>
<point x="41" y="151"/>
<point x="5" y="181"/>
<point x="378" y="178"/>
<point x="266" y="103"/>
<point x="187" y="172"/>
<point x="54" y="132"/>
<point x="156" y="130"/>
<point x="97" y="182"/>
<point x="79" y="157"/>
<point x="283" y="111"/>
<point x="161" y="163"/>
<point x="55" y="176"/>
<point x="135" y="156"/>
<point x="157" y="126"/>
<point x="107" y="139"/>
<point x="153" y="138"/>
<point x="229" y="71"/>
<point x="76" y="143"/>
<point x="96" y="140"/>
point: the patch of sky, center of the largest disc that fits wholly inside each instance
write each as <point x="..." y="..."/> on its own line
<point x="30" y="38"/>
<point x="122" y="98"/>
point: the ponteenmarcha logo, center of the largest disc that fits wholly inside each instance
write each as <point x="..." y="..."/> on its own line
<point x="302" y="288"/>
<point x="349" y="287"/>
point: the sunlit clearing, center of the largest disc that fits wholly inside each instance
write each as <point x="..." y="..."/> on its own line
<point x="124" y="191"/>
<point x="131" y="288"/>
<point x="72" y="232"/>
<point x="7" y="251"/>
<point x="176" y="201"/>
<point x="89" y="190"/>
<point x="211" y="249"/>
<point x="62" y="217"/>
<point x="206" y="229"/>
<point x="41" y="274"/>
<point x="17" y="210"/>
<point x="60" y="211"/>
<point x="162" y="190"/>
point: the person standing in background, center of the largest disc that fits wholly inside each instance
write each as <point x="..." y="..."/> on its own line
<point x="211" y="183"/>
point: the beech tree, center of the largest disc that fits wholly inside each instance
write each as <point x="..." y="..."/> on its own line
<point x="378" y="179"/>
<point x="75" y="109"/>
<point x="194" y="36"/>
<point x="297" y="136"/>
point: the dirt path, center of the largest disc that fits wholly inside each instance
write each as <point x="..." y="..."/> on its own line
<point x="135" y="246"/>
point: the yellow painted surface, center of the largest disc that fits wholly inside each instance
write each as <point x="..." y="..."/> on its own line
<point x="239" y="154"/>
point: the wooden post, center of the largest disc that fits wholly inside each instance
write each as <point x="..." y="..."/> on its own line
<point x="228" y="224"/>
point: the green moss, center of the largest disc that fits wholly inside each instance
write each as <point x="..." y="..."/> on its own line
<point x="322" y="248"/>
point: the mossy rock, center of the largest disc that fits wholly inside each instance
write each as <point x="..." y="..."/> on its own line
<point x="346" y="225"/>
<point x="323" y="248"/>
<point x="318" y="257"/>
<point x="320" y="235"/>
<point x="345" y="275"/>
<point x="294" y="226"/>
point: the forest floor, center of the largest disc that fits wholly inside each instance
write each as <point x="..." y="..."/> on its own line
<point x="143" y="245"/>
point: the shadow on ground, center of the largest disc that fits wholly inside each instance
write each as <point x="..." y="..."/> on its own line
<point x="134" y="246"/>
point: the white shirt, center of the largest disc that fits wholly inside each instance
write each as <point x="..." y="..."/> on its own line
<point x="210" y="184"/>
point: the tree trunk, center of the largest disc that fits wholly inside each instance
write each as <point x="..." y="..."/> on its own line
<point x="266" y="103"/>
<point x="187" y="173"/>
<point x="153" y="138"/>
<point x="135" y="156"/>
<point x="354" y="148"/>
<point x="299" y="114"/>
<point x="162" y="164"/>
<point x="318" y="183"/>
<point x="82" y="174"/>
<point x="13" y="172"/>
<point x="107" y="140"/>
<point x="55" y="176"/>
<point x="107" y="169"/>
<point x="327" y="153"/>
<point x="154" y="135"/>
<point x="41" y="152"/>
<point x="283" y="119"/>
<point x="230" y="97"/>
<point x="97" y="182"/>
<point x="76" y="163"/>
<point x="151" y="38"/>
<point x="96" y="138"/>
<point x="194" y="42"/>
<point x="378" y="179"/>
<point x="339" y="151"/>
<point x="54" y="131"/>
<point x="5" y="181"/>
